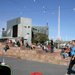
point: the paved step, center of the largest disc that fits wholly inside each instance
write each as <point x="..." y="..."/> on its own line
<point x="36" y="55"/>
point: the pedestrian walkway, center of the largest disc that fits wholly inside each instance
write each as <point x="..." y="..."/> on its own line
<point x="25" y="67"/>
<point x="36" y="55"/>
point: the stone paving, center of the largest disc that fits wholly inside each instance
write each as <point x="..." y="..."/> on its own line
<point x="35" y="55"/>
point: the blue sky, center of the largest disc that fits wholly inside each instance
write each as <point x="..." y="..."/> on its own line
<point x="41" y="12"/>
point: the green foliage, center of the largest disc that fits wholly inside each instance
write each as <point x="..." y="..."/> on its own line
<point x="39" y="37"/>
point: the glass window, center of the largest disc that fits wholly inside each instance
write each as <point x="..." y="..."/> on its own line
<point x="25" y="26"/>
<point x="28" y="26"/>
<point x="27" y="33"/>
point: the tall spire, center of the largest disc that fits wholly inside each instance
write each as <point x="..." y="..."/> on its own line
<point x="59" y="37"/>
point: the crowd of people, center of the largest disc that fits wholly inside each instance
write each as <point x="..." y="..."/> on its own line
<point x="18" y="42"/>
<point x="71" y="52"/>
<point x="10" y="43"/>
<point x="47" y="47"/>
<point x="50" y="47"/>
<point x="67" y="51"/>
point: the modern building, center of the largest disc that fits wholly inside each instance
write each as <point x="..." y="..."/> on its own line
<point x="20" y="27"/>
<point x="41" y="29"/>
<point x="4" y="32"/>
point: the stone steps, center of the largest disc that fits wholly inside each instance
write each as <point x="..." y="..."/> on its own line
<point x="36" y="55"/>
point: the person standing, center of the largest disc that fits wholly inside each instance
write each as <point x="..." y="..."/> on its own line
<point x="6" y="47"/>
<point x="72" y="61"/>
<point x="52" y="46"/>
<point x="22" y="41"/>
<point x="49" y="47"/>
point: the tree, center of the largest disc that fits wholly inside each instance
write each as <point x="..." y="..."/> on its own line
<point x="33" y="35"/>
<point x="40" y="37"/>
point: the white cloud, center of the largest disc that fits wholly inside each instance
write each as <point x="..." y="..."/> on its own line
<point x="44" y="11"/>
<point x="74" y="9"/>
<point x="43" y="7"/>
<point x="34" y="0"/>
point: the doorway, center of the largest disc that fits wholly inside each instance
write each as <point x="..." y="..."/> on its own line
<point x="15" y="30"/>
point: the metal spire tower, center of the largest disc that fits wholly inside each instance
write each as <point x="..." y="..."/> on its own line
<point x="59" y="37"/>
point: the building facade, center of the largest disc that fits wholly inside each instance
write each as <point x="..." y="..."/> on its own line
<point x="20" y="27"/>
<point x="41" y="29"/>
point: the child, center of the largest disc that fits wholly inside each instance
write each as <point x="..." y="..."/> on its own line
<point x="6" y="47"/>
